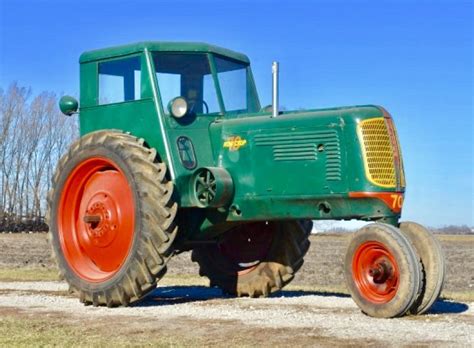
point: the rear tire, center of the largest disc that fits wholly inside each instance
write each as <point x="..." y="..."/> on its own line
<point x="432" y="259"/>
<point x="276" y="267"/>
<point x="382" y="271"/>
<point x="111" y="217"/>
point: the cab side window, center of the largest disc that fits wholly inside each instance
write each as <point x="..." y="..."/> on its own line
<point x="119" y="80"/>
<point x="232" y="77"/>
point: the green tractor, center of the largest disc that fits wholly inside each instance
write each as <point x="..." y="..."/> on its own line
<point x="176" y="154"/>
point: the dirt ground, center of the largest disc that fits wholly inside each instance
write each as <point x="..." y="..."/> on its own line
<point x="323" y="267"/>
<point x="314" y="311"/>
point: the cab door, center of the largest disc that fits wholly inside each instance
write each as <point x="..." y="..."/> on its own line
<point x="188" y="75"/>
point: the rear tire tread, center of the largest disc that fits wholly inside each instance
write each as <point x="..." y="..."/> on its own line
<point x="158" y="212"/>
<point x="269" y="276"/>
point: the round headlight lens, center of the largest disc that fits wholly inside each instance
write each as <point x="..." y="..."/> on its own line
<point x="178" y="107"/>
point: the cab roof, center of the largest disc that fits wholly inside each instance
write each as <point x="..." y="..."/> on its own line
<point x="161" y="46"/>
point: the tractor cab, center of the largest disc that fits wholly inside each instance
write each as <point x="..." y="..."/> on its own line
<point x="199" y="79"/>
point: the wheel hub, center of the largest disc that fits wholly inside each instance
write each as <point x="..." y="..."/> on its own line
<point x="101" y="224"/>
<point x="381" y="272"/>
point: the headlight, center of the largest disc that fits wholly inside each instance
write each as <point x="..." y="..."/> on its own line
<point x="178" y="107"/>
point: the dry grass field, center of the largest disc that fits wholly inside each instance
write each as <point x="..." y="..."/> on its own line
<point x="27" y="257"/>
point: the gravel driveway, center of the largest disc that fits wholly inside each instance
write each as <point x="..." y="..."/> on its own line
<point x="306" y="318"/>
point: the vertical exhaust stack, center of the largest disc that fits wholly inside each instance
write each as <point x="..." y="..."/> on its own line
<point x="275" y="89"/>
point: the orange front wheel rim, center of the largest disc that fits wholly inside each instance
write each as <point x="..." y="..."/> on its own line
<point x="375" y="272"/>
<point x="96" y="217"/>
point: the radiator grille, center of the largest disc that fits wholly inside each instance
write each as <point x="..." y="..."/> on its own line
<point x="378" y="153"/>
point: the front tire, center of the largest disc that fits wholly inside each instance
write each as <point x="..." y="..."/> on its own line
<point x="255" y="259"/>
<point x="111" y="218"/>
<point x="432" y="259"/>
<point x="382" y="271"/>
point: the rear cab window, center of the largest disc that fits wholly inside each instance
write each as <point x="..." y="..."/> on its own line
<point x="119" y="80"/>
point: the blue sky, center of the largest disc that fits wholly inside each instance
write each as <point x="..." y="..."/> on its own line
<point x="413" y="57"/>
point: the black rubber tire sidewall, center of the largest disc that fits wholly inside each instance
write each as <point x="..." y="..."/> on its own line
<point x="432" y="259"/>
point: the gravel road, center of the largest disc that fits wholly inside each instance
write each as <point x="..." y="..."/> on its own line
<point x="311" y="318"/>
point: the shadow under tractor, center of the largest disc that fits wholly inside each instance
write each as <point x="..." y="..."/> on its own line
<point x="176" y="153"/>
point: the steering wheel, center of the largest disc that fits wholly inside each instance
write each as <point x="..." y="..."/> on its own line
<point x="196" y="101"/>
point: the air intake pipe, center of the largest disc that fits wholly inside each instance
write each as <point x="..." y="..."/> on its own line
<point x="275" y="89"/>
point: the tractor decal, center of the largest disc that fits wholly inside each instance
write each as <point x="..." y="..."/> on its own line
<point x="234" y="143"/>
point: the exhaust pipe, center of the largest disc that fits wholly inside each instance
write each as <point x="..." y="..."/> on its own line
<point x="275" y="89"/>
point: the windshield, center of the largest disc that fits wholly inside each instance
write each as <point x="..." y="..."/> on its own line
<point x="237" y="90"/>
<point x="189" y="75"/>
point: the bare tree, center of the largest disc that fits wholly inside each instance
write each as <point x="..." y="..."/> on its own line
<point x="33" y="136"/>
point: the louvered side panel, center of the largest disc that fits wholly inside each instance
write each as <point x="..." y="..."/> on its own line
<point x="333" y="159"/>
<point x="305" y="146"/>
<point x="295" y="152"/>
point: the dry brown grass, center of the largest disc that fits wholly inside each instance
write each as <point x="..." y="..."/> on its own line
<point x="51" y="330"/>
<point x="25" y="257"/>
<point x="28" y="274"/>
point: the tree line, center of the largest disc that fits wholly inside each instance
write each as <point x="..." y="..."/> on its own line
<point x="33" y="136"/>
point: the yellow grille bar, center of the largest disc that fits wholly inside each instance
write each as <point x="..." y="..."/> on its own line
<point x="378" y="152"/>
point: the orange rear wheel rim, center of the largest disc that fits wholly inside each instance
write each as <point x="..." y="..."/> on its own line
<point x="375" y="272"/>
<point x="96" y="217"/>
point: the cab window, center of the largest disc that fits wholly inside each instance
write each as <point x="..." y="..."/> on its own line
<point x="232" y="77"/>
<point x="236" y="85"/>
<point x="189" y="76"/>
<point x="119" y="80"/>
